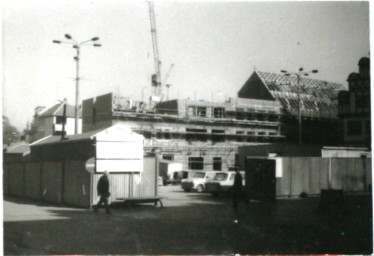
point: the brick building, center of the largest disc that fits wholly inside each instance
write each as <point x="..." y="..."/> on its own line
<point x="354" y="107"/>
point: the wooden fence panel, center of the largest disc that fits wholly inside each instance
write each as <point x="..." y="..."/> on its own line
<point x="6" y="167"/>
<point x="16" y="178"/>
<point x="283" y="185"/>
<point x="77" y="186"/>
<point x="32" y="181"/>
<point x="52" y="182"/>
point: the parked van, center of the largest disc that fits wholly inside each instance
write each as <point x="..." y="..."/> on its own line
<point x="197" y="181"/>
<point x="222" y="182"/>
<point x="170" y="171"/>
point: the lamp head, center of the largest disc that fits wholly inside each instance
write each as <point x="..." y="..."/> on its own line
<point x="68" y="36"/>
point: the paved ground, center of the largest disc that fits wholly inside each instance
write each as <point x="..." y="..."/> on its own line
<point x="190" y="223"/>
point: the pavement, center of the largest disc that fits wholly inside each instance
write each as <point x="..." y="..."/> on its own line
<point x="191" y="223"/>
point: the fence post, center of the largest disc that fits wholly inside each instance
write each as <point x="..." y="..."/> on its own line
<point x="330" y="175"/>
<point x="363" y="157"/>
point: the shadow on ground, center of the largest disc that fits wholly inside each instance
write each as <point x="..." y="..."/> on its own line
<point x="284" y="227"/>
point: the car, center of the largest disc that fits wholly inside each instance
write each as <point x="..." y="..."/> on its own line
<point x="222" y="182"/>
<point x="197" y="181"/>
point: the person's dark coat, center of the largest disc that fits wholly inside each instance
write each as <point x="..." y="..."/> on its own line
<point x="103" y="186"/>
<point x="238" y="185"/>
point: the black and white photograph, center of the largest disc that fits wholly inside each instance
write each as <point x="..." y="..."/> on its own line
<point x="154" y="127"/>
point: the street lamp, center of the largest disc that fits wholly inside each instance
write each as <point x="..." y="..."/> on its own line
<point x="298" y="75"/>
<point x="77" y="46"/>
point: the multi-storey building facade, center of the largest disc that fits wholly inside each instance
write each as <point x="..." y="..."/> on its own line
<point x="199" y="134"/>
<point x="354" y="107"/>
<point x="318" y="104"/>
<point x="50" y="122"/>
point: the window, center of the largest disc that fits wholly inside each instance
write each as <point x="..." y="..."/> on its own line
<point x="354" y="128"/>
<point x="240" y="114"/>
<point x="240" y="137"/>
<point x="196" y="163"/>
<point x="217" y="163"/>
<point x="195" y="130"/>
<point x="201" y="111"/>
<point x="167" y="135"/>
<point x="199" y="175"/>
<point x="218" y="112"/>
<point x="60" y="119"/>
<point x="220" y="176"/>
<point x="218" y="135"/>
<point x="168" y="157"/>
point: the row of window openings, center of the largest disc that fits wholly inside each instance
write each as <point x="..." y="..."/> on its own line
<point x="205" y="137"/>
<point x="197" y="163"/>
<point x="220" y="113"/>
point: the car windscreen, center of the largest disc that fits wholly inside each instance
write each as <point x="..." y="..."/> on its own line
<point x="220" y="176"/>
<point x="199" y="175"/>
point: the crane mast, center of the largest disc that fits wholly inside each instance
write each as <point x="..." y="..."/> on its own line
<point x="156" y="78"/>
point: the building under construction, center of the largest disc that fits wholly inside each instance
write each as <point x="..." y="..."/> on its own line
<point x="206" y="135"/>
<point x="199" y="134"/>
<point x="314" y="102"/>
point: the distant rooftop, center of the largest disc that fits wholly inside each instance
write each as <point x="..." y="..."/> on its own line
<point x="57" y="110"/>
<point x="282" y="85"/>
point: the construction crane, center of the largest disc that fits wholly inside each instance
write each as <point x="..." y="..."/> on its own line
<point x="156" y="78"/>
<point x="166" y="79"/>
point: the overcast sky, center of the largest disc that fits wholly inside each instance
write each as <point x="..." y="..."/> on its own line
<point x="214" y="47"/>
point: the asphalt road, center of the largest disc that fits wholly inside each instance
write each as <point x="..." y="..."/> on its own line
<point x="190" y="223"/>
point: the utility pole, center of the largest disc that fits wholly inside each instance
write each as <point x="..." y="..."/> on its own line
<point x="298" y="76"/>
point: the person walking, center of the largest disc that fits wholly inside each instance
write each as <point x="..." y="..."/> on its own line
<point x="103" y="192"/>
<point x="237" y="193"/>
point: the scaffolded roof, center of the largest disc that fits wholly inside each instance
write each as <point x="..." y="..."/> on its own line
<point x="316" y="96"/>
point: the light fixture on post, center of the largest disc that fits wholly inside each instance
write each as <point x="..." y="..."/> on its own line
<point x="298" y="76"/>
<point x="77" y="46"/>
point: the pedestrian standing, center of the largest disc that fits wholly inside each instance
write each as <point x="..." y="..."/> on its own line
<point x="237" y="193"/>
<point x="103" y="192"/>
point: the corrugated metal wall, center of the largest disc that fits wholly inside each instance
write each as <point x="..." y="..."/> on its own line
<point x="311" y="174"/>
<point x="130" y="185"/>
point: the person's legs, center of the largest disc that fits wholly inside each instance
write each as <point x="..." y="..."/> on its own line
<point x="99" y="204"/>
<point x="235" y="207"/>
<point x="106" y="205"/>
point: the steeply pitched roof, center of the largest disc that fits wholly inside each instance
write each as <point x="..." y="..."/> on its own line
<point x="57" y="110"/>
<point x="316" y="96"/>
<point x="313" y="87"/>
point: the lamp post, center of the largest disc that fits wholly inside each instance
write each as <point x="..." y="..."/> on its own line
<point x="298" y="75"/>
<point x="77" y="46"/>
